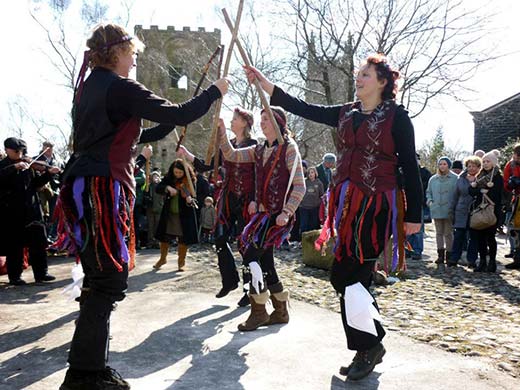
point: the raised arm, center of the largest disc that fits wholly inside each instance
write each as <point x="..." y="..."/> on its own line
<point x="134" y="100"/>
<point x="328" y="115"/>
<point x="242" y="155"/>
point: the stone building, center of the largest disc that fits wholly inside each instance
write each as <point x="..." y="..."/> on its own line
<point x="171" y="66"/>
<point x="496" y="124"/>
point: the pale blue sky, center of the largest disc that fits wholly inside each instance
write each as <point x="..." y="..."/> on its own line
<point x="24" y="70"/>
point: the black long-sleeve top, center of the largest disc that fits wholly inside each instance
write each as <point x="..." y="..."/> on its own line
<point x="127" y="98"/>
<point x="402" y="133"/>
<point x="107" y="123"/>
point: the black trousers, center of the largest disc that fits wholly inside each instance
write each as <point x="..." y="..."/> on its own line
<point x="226" y="260"/>
<point x="265" y="258"/>
<point x="345" y="273"/>
<point x="89" y="346"/>
<point x="35" y="239"/>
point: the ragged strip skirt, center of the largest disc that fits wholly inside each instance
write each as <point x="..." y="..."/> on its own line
<point x="97" y="210"/>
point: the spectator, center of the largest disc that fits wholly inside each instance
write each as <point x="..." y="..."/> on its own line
<point x="512" y="184"/>
<point x="139" y="209"/>
<point x="154" y="203"/>
<point x="178" y="219"/>
<point x="310" y="205"/>
<point x="208" y="218"/>
<point x="440" y="195"/>
<point x="489" y="181"/>
<point x="461" y="210"/>
<point x="457" y="167"/>
<point x="22" y="219"/>
<point x="416" y="240"/>
<point x="325" y="169"/>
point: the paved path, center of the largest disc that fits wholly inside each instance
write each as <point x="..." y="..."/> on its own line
<point x="170" y="335"/>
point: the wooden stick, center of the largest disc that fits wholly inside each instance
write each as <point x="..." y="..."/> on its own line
<point x="191" y="187"/>
<point x="218" y="106"/>
<point x="263" y="99"/>
<point x="216" y="158"/>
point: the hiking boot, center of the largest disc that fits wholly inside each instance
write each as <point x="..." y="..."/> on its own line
<point x="107" y="379"/>
<point x="366" y="361"/>
<point x="345" y="370"/>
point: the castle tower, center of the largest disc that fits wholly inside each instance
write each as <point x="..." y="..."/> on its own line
<point x="171" y="66"/>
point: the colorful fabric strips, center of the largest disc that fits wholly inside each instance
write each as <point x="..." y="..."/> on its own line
<point x="105" y="203"/>
<point x="364" y="224"/>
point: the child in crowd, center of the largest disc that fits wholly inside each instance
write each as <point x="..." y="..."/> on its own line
<point x="208" y="217"/>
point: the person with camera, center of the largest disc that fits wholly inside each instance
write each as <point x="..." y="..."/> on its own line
<point x="512" y="184"/>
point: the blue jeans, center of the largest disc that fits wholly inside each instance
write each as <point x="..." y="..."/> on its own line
<point x="416" y="241"/>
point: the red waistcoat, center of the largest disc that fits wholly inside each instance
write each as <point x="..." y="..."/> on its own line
<point x="272" y="178"/>
<point x="240" y="178"/>
<point x="367" y="156"/>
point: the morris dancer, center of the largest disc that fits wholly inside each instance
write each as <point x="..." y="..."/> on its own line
<point x="237" y="193"/>
<point x="95" y="204"/>
<point x="367" y="204"/>
<point x="279" y="189"/>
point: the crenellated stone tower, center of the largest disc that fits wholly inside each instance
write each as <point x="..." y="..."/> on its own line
<point x="171" y="66"/>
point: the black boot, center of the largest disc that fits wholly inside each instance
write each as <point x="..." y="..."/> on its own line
<point x="105" y="379"/>
<point x="225" y="291"/>
<point x="345" y="370"/>
<point x="366" y="361"/>
<point x="514" y="265"/>
<point x="449" y="261"/>
<point x="492" y="266"/>
<point x="244" y="301"/>
<point x="441" y="253"/>
<point x="482" y="265"/>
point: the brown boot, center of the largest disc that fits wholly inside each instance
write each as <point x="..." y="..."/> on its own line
<point x="165" y="247"/>
<point x="280" y="315"/>
<point x="182" y="249"/>
<point x="258" y="315"/>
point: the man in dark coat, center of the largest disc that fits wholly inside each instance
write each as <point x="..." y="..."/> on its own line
<point x="325" y="169"/>
<point x="22" y="217"/>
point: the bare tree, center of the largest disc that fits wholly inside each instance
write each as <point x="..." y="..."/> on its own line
<point x="437" y="44"/>
<point x="65" y="42"/>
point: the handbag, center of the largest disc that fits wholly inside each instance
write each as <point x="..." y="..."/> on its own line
<point x="483" y="216"/>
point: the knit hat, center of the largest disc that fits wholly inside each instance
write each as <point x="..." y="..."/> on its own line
<point x="445" y="158"/>
<point x="329" y="157"/>
<point x="491" y="156"/>
<point x="304" y="164"/>
<point x="457" y="164"/>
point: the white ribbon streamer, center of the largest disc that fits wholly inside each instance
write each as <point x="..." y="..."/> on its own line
<point x="257" y="277"/>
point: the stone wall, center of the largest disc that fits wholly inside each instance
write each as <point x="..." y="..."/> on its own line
<point x="171" y="55"/>
<point x="495" y="125"/>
